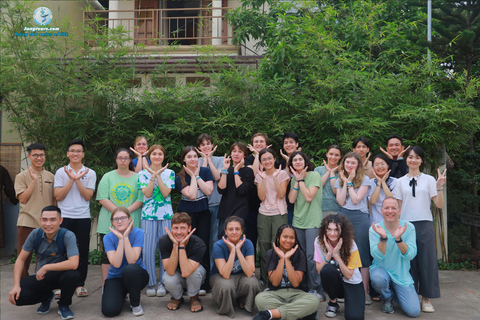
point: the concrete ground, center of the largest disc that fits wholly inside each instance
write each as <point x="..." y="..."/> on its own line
<point x="460" y="301"/>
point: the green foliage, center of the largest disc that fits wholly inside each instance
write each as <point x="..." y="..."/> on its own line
<point x="465" y="265"/>
<point x="95" y="257"/>
<point x="15" y="256"/>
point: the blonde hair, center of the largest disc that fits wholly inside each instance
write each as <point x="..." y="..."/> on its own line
<point x="359" y="172"/>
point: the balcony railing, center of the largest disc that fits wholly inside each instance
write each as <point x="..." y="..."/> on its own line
<point x="151" y="27"/>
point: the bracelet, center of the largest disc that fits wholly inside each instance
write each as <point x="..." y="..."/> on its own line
<point x="224" y="171"/>
<point x="237" y="173"/>
<point x="383" y="239"/>
<point x="294" y="188"/>
<point x="399" y="241"/>
<point x="152" y="179"/>
<point x="350" y="184"/>
<point x="331" y="178"/>
<point x="198" y="178"/>
<point x="301" y="180"/>
<point x="181" y="248"/>
<point x="325" y="259"/>
<point x="440" y="189"/>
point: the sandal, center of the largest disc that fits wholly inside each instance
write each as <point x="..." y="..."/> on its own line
<point x="195" y="303"/>
<point x="58" y="294"/>
<point x="175" y="304"/>
<point x="81" y="292"/>
<point x="376" y="299"/>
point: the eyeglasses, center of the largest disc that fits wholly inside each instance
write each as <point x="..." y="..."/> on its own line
<point x="123" y="159"/>
<point x="379" y="165"/>
<point x="36" y="156"/>
<point x="75" y="151"/>
<point x="120" y="219"/>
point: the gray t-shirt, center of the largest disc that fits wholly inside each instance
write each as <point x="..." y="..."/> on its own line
<point x="362" y="205"/>
<point x="329" y="199"/>
<point x="215" y="197"/>
<point x="49" y="250"/>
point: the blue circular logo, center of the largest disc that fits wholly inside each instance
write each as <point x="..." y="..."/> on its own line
<point x="42" y="16"/>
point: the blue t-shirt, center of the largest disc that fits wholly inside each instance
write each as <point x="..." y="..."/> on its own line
<point x="201" y="202"/>
<point x="221" y="251"/>
<point x="110" y="241"/>
<point x="135" y="160"/>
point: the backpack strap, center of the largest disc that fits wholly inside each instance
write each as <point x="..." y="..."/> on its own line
<point x="61" y="250"/>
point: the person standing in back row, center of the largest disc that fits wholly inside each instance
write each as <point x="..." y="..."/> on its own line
<point x="74" y="187"/>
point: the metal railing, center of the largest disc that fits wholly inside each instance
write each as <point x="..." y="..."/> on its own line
<point x="182" y="26"/>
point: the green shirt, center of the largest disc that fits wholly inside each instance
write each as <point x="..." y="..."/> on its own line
<point x="122" y="192"/>
<point x="308" y="215"/>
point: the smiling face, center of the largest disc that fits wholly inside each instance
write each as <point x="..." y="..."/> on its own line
<point x="237" y="155"/>
<point x="350" y="165"/>
<point x="361" y="149"/>
<point x="259" y="143"/>
<point x="390" y="210"/>
<point x="286" y="239"/>
<point x="380" y="167"/>
<point x="191" y="159"/>
<point x="333" y="156"/>
<point x="141" y="145"/>
<point x="120" y="220"/>
<point x="413" y="160"/>
<point x="75" y="153"/>
<point x="206" y="147"/>
<point x="157" y="157"/>
<point x="50" y="222"/>
<point x="180" y="231"/>
<point x="123" y="159"/>
<point x="37" y="158"/>
<point x="268" y="161"/>
<point x="298" y="163"/>
<point x="394" y="147"/>
<point x="333" y="233"/>
<point x="290" y="145"/>
<point x="233" y="231"/>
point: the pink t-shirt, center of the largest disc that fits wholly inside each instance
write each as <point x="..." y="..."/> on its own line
<point x="272" y="205"/>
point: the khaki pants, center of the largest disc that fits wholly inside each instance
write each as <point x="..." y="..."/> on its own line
<point x="292" y="303"/>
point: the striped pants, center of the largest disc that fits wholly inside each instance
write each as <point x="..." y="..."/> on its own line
<point x="153" y="229"/>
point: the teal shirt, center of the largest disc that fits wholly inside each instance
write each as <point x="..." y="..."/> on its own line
<point x="393" y="261"/>
<point x="329" y="199"/>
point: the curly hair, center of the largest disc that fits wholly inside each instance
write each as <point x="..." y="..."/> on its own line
<point x="359" y="173"/>
<point x="346" y="233"/>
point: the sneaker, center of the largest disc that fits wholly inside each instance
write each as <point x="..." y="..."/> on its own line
<point x="341" y="300"/>
<point x="320" y="296"/>
<point x="161" y="291"/>
<point x="332" y="310"/>
<point x="151" y="291"/>
<point x="368" y="300"/>
<point x="262" y="315"/>
<point x="388" y="306"/>
<point x="65" y="312"/>
<point x="45" y="306"/>
<point x="427" y="307"/>
<point x="137" y="311"/>
<point x="202" y="292"/>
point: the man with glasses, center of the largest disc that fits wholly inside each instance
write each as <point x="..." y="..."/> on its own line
<point x="74" y="187"/>
<point x="34" y="190"/>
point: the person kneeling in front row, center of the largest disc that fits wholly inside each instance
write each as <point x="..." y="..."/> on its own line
<point x="182" y="253"/>
<point x="57" y="252"/>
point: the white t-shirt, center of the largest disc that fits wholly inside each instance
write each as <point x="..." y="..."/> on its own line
<point x="353" y="264"/>
<point x="416" y="208"/>
<point x="74" y="206"/>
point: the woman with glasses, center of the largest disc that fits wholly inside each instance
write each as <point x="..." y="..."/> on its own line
<point x="127" y="273"/>
<point x="118" y="188"/>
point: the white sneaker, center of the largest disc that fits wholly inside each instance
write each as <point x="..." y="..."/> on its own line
<point x="161" y="291"/>
<point x="151" y="291"/>
<point x="427" y="307"/>
<point x="320" y="296"/>
<point x="137" y="311"/>
<point x="202" y="292"/>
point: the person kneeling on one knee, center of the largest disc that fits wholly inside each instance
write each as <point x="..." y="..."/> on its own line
<point x="393" y="246"/>
<point x="182" y="253"/>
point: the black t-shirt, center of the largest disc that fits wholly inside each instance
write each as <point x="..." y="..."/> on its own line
<point x="235" y="201"/>
<point x="299" y="263"/>
<point x="201" y="202"/>
<point x="398" y="168"/>
<point x="195" y="248"/>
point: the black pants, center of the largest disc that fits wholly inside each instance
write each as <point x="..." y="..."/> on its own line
<point x="134" y="279"/>
<point x="81" y="229"/>
<point x="201" y="221"/>
<point x="335" y="287"/>
<point x="34" y="291"/>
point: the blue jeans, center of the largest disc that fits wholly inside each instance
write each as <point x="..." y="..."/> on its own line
<point x="213" y="230"/>
<point x="406" y="297"/>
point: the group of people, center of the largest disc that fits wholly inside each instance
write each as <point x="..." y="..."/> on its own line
<point x="331" y="230"/>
